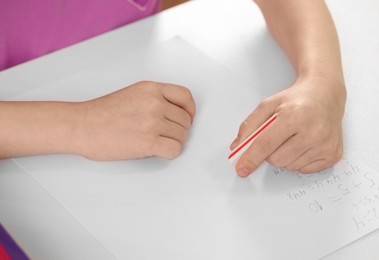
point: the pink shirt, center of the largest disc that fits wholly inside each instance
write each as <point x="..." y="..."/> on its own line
<point x="31" y="28"/>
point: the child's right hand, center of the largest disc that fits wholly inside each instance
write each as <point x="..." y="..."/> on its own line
<point x="307" y="134"/>
<point x="142" y="120"/>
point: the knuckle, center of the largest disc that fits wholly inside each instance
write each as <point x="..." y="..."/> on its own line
<point x="188" y="99"/>
<point x="243" y="127"/>
<point x="187" y="122"/>
<point x="173" y="151"/>
<point x="265" y="102"/>
<point x="333" y="150"/>
<point x="155" y="106"/>
<point x="184" y="135"/>
<point x="277" y="160"/>
<point x="186" y="93"/>
<point x="168" y="150"/>
<point x="337" y="155"/>
<point x="292" y="168"/>
<point x="146" y="85"/>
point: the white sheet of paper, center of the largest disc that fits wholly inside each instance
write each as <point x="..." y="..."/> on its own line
<point x="18" y="211"/>
<point x="195" y="207"/>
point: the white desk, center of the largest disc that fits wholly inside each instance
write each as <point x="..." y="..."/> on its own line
<point x="232" y="32"/>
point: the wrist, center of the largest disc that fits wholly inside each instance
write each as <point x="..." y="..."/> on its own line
<point x="77" y="133"/>
<point x="325" y="78"/>
<point x="329" y="85"/>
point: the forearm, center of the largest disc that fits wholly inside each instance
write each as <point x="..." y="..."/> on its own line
<point x="30" y="128"/>
<point x="142" y="120"/>
<point x="305" y="31"/>
<point x="307" y="134"/>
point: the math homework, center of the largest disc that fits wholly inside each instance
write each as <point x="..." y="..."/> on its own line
<point x="349" y="188"/>
<point x="195" y="207"/>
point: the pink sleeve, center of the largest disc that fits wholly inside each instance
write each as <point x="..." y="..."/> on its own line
<point x="29" y="29"/>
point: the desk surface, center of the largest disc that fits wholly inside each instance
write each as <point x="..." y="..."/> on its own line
<point x="231" y="33"/>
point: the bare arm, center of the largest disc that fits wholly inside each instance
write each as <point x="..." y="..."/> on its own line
<point x="30" y="128"/>
<point x="305" y="31"/>
<point x="144" y="119"/>
<point x="307" y="135"/>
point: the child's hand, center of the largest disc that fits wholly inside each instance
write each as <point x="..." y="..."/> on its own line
<point x="307" y="134"/>
<point x="142" y="120"/>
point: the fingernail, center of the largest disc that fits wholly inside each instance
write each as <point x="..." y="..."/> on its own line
<point x="243" y="172"/>
<point x="235" y="143"/>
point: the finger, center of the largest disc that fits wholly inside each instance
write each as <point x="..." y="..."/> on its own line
<point x="242" y="129"/>
<point x="310" y="156"/>
<point x="166" y="147"/>
<point x="178" y="115"/>
<point x="180" y="96"/>
<point x="174" y="131"/>
<point x="289" y="151"/>
<point x="264" y="111"/>
<point x="316" y="166"/>
<point x="264" y="145"/>
<point x="320" y="164"/>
